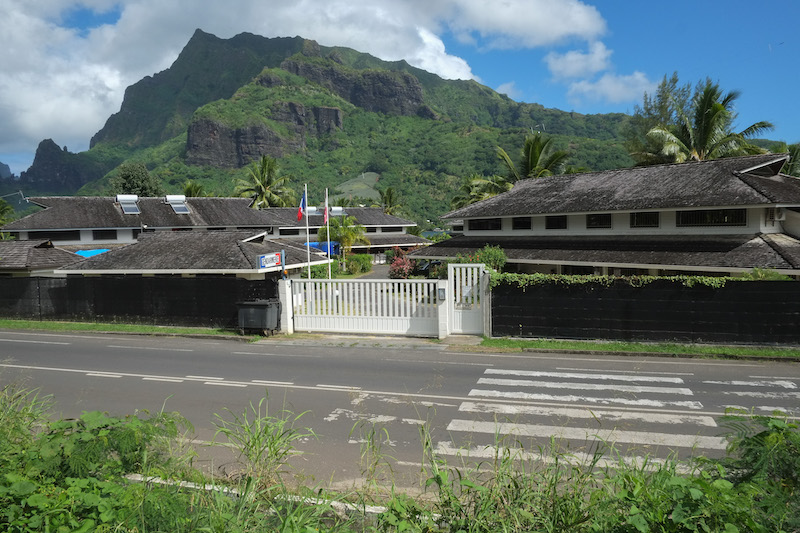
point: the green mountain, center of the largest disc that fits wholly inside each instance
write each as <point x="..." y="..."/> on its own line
<point x="330" y="114"/>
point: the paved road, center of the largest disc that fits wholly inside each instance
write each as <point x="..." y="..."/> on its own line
<point x="385" y="388"/>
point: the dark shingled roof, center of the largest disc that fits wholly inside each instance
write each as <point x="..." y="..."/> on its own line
<point x="698" y="184"/>
<point x="775" y="251"/>
<point x="173" y="252"/>
<point x="96" y="212"/>
<point x="33" y="255"/>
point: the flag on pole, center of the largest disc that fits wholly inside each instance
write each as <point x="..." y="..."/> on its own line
<point x="325" y="214"/>
<point x="301" y="211"/>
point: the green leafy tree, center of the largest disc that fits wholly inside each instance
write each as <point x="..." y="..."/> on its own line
<point x="266" y="186"/>
<point x="345" y="231"/>
<point x="660" y="109"/>
<point x="6" y="212"/>
<point x="476" y="188"/>
<point x="703" y="133"/>
<point x="133" y="178"/>
<point x="390" y="201"/>
<point x="792" y="168"/>
<point x="192" y="189"/>
<point x="539" y="159"/>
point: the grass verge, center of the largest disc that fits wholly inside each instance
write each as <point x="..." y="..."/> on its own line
<point x="50" y="325"/>
<point x="707" y="350"/>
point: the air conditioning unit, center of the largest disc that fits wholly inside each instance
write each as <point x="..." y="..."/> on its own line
<point x="776" y="214"/>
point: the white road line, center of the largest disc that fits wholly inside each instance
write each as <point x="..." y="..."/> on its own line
<point x="265" y="382"/>
<point x="223" y="384"/>
<point x="102" y="375"/>
<point x="606" y="435"/>
<point x="583" y="386"/>
<point x="150" y="348"/>
<point x="35" y="342"/>
<point x="573" y="457"/>
<point x="367" y="417"/>
<point x="581" y="375"/>
<point x="168" y="380"/>
<point x="773" y="395"/>
<point x="778" y="383"/>
<point x="336" y="387"/>
<point x="773" y="377"/>
<point x="599" y="414"/>
<point x="570" y="369"/>
<point x="205" y="378"/>
<point x="587" y="399"/>
<point x="459" y="363"/>
<point x="279" y="354"/>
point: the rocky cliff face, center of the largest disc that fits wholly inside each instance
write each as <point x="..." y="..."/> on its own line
<point x="5" y="171"/>
<point x="392" y="93"/>
<point x="214" y="144"/>
<point x="57" y="170"/>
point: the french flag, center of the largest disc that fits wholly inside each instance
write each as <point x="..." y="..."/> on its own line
<point x="301" y="211"/>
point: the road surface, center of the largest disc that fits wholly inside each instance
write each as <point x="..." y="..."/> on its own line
<point x="463" y="404"/>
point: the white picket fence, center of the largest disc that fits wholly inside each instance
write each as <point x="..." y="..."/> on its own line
<point x="400" y="307"/>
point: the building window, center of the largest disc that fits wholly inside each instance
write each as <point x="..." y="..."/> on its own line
<point x="392" y="229"/>
<point x="711" y="217"/>
<point x="645" y="219"/>
<point x="104" y="235"/>
<point x="555" y="222"/>
<point x="372" y="229"/>
<point x="485" y="224"/>
<point x="290" y="232"/>
<point x="521" y="223"/>
<point x="66" y="235"/>
<point x="598" y="221"/>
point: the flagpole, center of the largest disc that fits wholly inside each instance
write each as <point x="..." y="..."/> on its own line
<point x="308" y="244"/>
<point x="328" y="232"/>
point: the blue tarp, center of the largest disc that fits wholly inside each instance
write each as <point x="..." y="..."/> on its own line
<point x="90" y="253"/>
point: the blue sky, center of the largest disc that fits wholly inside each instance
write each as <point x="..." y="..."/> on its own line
<point x="66" y="63"/>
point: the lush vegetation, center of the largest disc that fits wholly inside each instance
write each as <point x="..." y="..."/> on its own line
<point x="103" y="473"/>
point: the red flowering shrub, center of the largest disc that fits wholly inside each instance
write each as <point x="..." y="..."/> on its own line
<point x="401" y="268"/>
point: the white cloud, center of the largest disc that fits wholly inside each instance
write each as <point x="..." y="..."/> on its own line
<point x="63" y="82"/>
<point x="524" y="23"/>
<point x="611" y="88"/>
<point x="510" y="89"/>
<point x="577" y="64"/>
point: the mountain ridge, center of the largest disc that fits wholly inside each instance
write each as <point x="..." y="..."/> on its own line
<point x="330" y="113"/>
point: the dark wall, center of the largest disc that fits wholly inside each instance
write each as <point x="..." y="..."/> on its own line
<point x="162" y="300"/>
<point x="738" y="313"/>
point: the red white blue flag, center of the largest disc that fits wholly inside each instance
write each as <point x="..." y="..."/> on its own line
<point x="301" y="211"/>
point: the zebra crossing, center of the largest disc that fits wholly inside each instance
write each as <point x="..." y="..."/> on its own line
<point x="637" y="414"/>
<point x="634" y="416"/>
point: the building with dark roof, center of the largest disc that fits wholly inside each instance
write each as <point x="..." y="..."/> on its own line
<point x="103" y="221"/>
<point x="724" y="216"/>
<point x="32" y="258"/>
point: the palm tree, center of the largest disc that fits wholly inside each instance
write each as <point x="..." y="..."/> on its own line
<point x="192" y="189"/>
<point x="265" y="186"/>
<point x="476" y="188"/>
<point x="390" y="201"/>
<point x="539" y="159"/>
<point x="707" y="134"/>
<point x="346" y="231"/>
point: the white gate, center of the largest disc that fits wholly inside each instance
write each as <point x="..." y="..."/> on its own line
<point x="466" y="302"/>
<point x="400" y="307"/>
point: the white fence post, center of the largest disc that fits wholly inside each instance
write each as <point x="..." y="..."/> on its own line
<point x="287" y="308"/>
<point x="443" y="307"/>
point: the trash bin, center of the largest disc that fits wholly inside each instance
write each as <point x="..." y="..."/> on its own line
<point x="259" y="315"/>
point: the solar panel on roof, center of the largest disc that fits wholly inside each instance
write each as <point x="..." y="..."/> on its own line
<point x="129" y="208"/>
<point x="128" y="203"/>
<point x="178" y="203"/>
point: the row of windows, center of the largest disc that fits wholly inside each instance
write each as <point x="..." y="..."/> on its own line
<point x="641" y="219"/>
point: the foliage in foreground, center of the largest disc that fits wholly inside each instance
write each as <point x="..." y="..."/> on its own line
<point x="73" y="475"/>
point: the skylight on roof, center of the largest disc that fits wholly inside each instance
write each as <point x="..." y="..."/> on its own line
<point x="178" y="203"/>
<point x="128" y="203"/>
